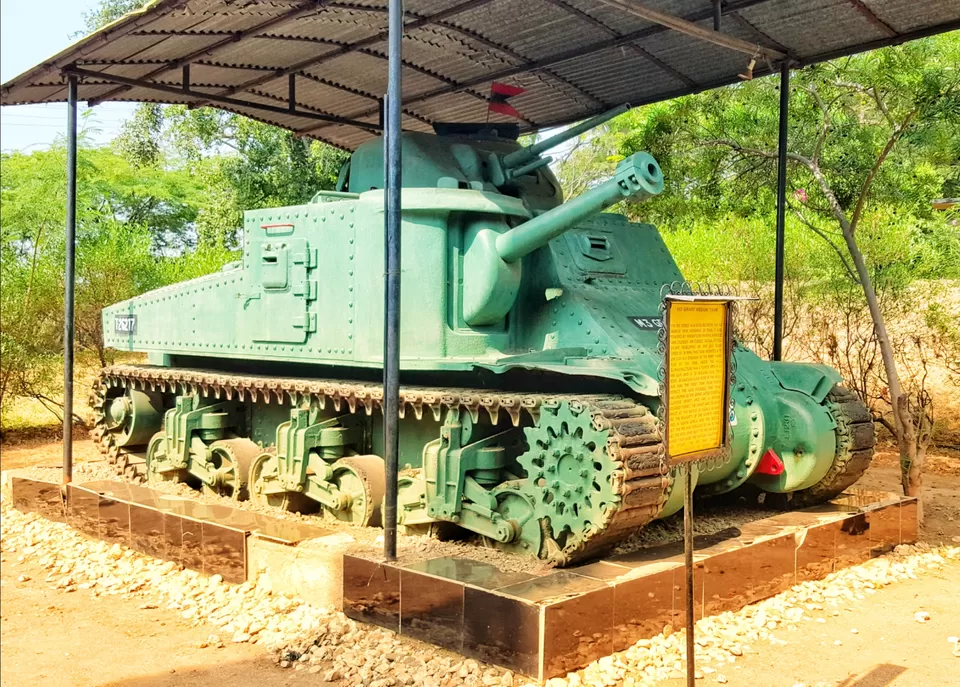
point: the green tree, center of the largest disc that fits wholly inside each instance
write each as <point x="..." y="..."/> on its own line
<point x="121" y="212"/>
<point x="106" y="12"/>
<point x="243" y="164"/>
<point x="873" y="139"/>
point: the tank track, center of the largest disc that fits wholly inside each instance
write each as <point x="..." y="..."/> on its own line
<point x="129" y="464"/>
<point x="639" y="480"/>
<point x="855" y="440"/>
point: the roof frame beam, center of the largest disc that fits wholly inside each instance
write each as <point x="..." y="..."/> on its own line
<point x="185" y="78"/>
<point x="306" y="8"/>
<point x="145" y="63"/>
<point x="378" y="37"/>
<point x="418" y="22"/>
<point x="351" y="91"/>
<point x="873" y="18"/>
<point x="740" y="19"/>
<point x="273" y="71"/>
<point x="371" y="53"/>
<point x="474" y="36"/>
<point x="130" y="84"/>
<point x="650" y="57"/>
<point x="359" y="46"/>
<point x="625" y="39"/>
<point x="689" y="28"/>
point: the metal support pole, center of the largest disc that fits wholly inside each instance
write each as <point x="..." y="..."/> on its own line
<point x="781" y="209"/>
<point x="688" y="564"/>
<point x="69" y="279"/>
<point x="717" y="13"/>
<point x="391" y="278"/>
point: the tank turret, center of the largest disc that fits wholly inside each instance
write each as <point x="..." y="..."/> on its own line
<point x="492" y="261"/>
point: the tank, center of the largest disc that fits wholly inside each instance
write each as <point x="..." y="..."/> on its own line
<point x="529" y="360"/>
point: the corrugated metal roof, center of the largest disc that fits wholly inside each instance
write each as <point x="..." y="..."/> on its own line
<point x="575" y="57"/>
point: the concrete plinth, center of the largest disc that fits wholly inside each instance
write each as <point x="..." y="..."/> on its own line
<point x="548" y="625"/>
<point x="538" y="625"/>
<point x="312" y="570"/>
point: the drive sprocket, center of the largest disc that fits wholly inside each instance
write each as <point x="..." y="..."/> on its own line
<point x="571" y="480"/>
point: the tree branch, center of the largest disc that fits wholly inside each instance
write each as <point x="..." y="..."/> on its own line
<point x="816" y="230"/>
<point x="807" y="162"/>
<point x="873" y="93"/>
<point x="868" y="182"/>
<point x="821" y="139"/>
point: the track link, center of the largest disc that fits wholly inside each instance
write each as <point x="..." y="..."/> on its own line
<point x="640" y="482"/>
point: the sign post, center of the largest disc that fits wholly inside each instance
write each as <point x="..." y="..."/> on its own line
<point x="697" y="380"/>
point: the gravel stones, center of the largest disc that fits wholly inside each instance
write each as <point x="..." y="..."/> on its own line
<point x="324" y="642"/>
<point x="300" y="636"/>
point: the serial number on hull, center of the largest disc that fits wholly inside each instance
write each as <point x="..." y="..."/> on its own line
<point x="648" y="322"/>
<point x="125" y="324"/>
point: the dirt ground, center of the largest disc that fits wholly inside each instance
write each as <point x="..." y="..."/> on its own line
<point x="55" y="638"/>
<point x="889" y="647"/>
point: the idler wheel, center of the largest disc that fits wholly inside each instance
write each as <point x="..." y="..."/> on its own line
<point x="362" y="481"/>
<point x="232" y="460"/>
<point x="854" y="452"/>
<point x="132" y="417"/>
<point x="263" y="471"/>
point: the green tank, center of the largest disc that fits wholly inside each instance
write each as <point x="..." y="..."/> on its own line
<point x="529" y="359"/>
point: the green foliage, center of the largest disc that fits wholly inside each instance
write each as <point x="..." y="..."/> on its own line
<point x="718" y="148"/>
<point x="106" y="12"/>
<point x="125" y="215"/>
<point x="718" y="153"/>
<point x="242" y="163"/>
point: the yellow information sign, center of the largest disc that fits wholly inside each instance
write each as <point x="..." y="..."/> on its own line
<point x="697" y="377"/>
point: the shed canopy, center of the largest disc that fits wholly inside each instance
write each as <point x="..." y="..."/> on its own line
<point x="318" y="68"/>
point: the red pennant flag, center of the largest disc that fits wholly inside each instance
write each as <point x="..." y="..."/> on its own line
<point x="499" y="93"/>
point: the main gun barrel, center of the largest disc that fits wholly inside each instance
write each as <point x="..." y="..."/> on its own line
<point x="638" y="177"/>
<point x="521" y="157"/>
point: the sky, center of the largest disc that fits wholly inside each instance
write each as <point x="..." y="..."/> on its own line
<point x="28" y="37"/>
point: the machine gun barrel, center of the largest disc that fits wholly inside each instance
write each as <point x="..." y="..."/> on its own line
<point x="523" y="156"/>
<point x="638" y="177"/>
